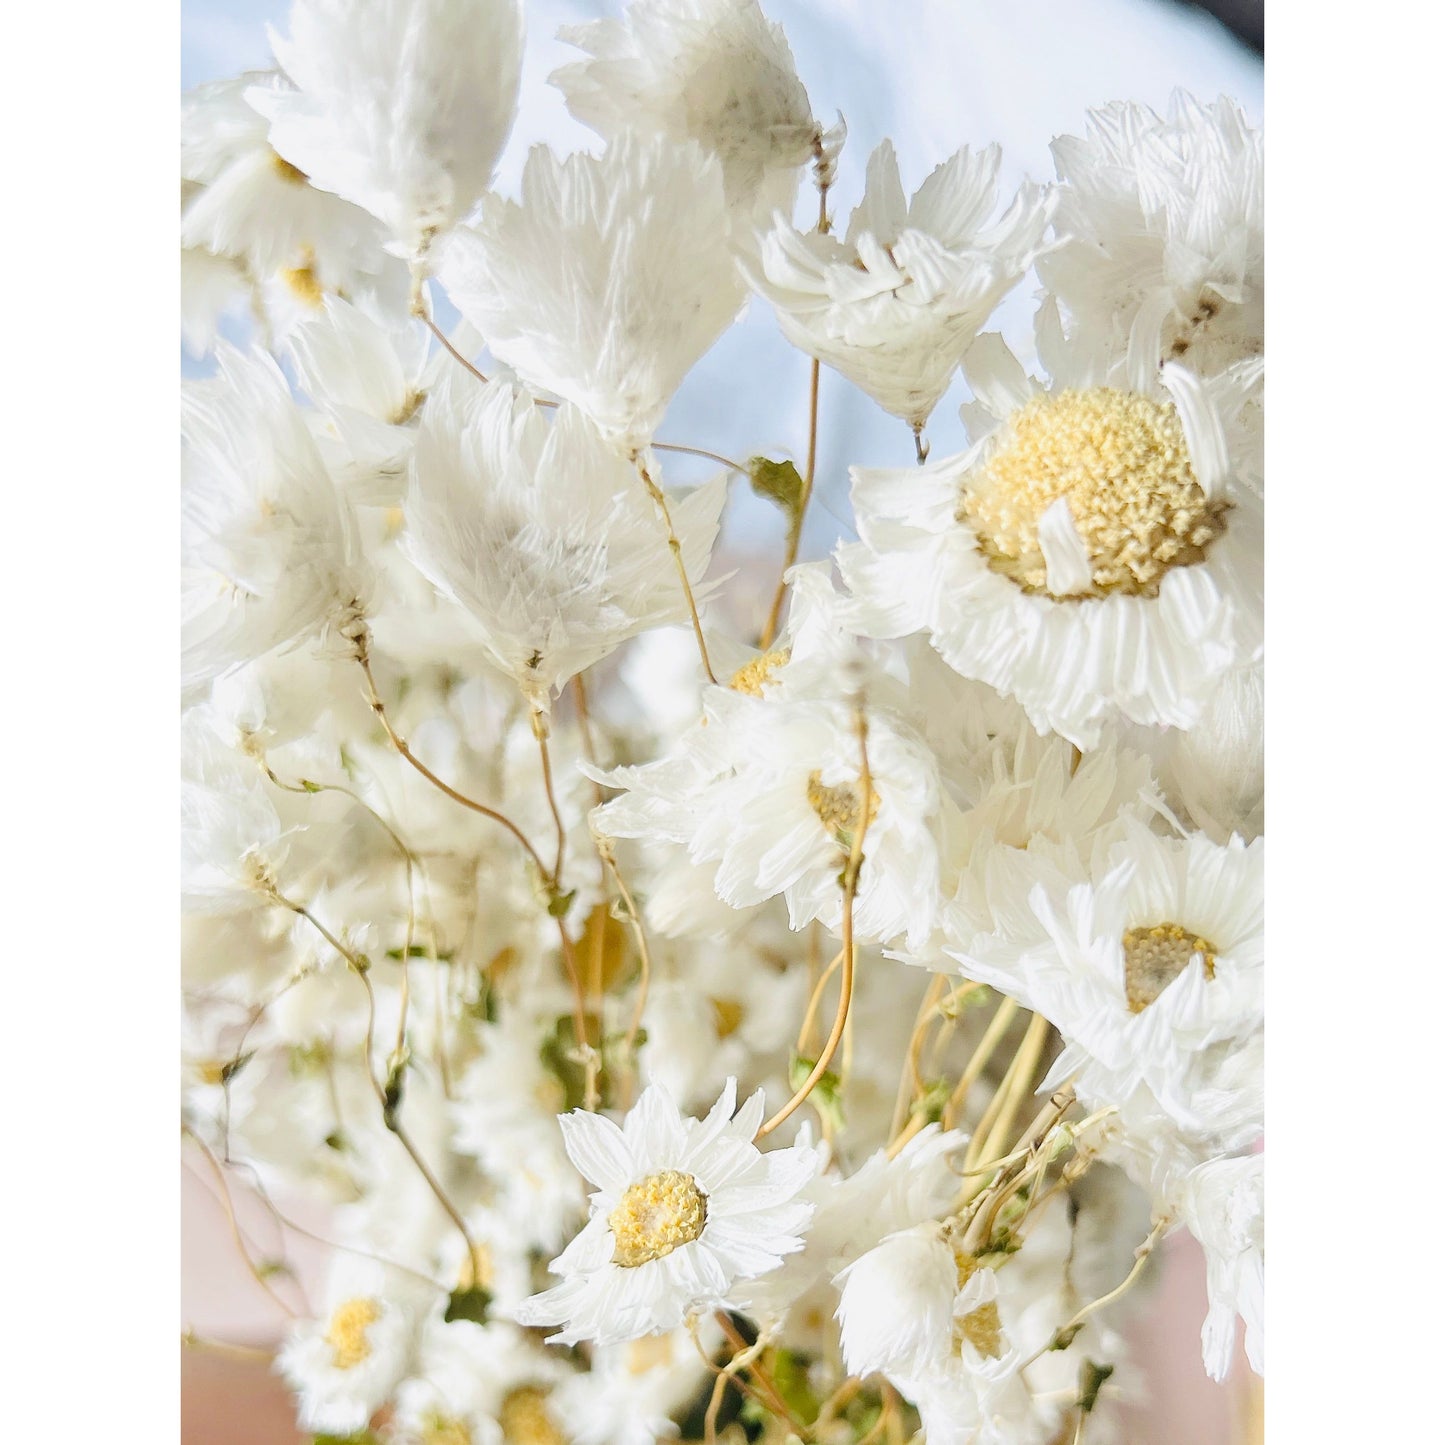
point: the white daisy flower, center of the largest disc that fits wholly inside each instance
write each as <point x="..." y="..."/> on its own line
<point x="368" y="376"/>
<point x="231" y="839"/>
<point x="401" y="106"/>
<point x="895" y="304"/>
<point x="244" y="203"/>
<point x="480" y="1385"/>
<point x="608" y="281"/>
<point x="1222" y="1202"/>
<point x="270" y="550"/>
<point x="766" y="790"/>
<point x="1037" y="811"/>
<point x="685" y="1209"/>
<point x="717" y="72"/>
<point x="544" y="534"/>
<point x="1154" y="975"/>
<point x="1162" y="227"/>
<point x="346" y="1364"/>
<point x="632" y="1391"/>
<point x="1096" y="555"/>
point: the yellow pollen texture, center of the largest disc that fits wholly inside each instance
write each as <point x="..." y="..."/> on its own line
<point x="837" y="807"/>
<point x="751" y="676"/>
<point x="982" y="1327"/>
<point x="1121" y="461"/>
<point x="656" y="1216"/>
<point x="525" y="1419"/>
<point x="346" y="1334"/>
<point x="1155" y="957"/>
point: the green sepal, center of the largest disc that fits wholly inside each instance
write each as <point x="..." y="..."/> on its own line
<point x="779" y="483"/>
<point x="468" y="1304"/>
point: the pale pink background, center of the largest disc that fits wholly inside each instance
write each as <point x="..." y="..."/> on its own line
<point x="230" y="1402"/>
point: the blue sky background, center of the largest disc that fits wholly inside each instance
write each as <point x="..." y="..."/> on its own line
<point x="931" y="75"/>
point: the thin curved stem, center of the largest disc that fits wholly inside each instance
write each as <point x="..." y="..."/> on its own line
<point x="389" y="1105"/>
<point x="659" y="499"/>
<point x="400" y="744"/>
<point x="850" y="892"/>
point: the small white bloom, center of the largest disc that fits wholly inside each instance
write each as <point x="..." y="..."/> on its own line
<point x="767" y="791"/>
<point x="231" y="838"/>
<point x="608" y="281"/>
<point x="895" y="304"/>
<point x="479" y="1384"/>
<point x="1162" y="227"/>
<point x="270" y="550"/>
<point x="714" y="71"/>
<point x="368" y="376"/>
<point x="1172" y="596"/>
<point x="544" y="535"/>
<point x="1222" y="1202"/>
<point x="345" y="1365"/>
<point x="244" y="203"/>
<point x="401" y="106"/>
<point x="633" y="1390"/>
<point x="685" y="1209"/>
<point x="1153" y="973"/>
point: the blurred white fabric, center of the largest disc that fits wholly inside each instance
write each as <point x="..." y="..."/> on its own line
<point x="931" y="75"/>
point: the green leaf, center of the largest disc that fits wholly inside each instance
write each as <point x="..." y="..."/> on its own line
<point x="468" y="1304"/>
<point x="779" y="483"/>
<point x="362" y="1437"/>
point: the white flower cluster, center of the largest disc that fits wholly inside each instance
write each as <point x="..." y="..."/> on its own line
<point x="518" y="847"/>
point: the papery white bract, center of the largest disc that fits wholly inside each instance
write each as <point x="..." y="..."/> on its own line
<point x="684" y="1210"/>
<point x="401" y="106"/>
<point x="272" y="554"/>
<point x="1222" y="1202"/>
<point x="713" y="71"/>
<point x="242" y="203"/>
<point x="895" y="304"/>
<point x="1161" y="223"/>
<point x="1153" y="974"/>
<point x="608" y="281"/>
<point x="767" y="791"/>
<point x="544" y="534"/>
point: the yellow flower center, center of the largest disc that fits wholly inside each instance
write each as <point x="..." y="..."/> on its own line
<point x="346" y="1333"/>
<point x="1155" y="957"/>
<point x="751" y="676"/>
<point x="287" y="171"/>
<point x="303" y="282"/>
<point x="982" y="1327"/>
<point x="526" y="1420"/>
<point x="1121" y="461"/>
<point x="727" y="1016"/>
<point x="837" y="807"/>
<point x="656" y="1216"/>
